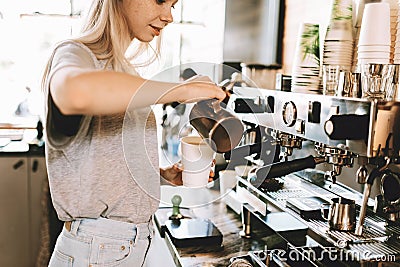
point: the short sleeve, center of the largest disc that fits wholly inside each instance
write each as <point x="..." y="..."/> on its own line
<point x="70" y="54"/>
<point x="67" y="54"/>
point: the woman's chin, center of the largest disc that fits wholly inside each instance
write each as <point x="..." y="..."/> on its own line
<point x="145" y="39"/>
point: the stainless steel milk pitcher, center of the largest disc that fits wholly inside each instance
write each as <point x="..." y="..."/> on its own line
<point x="221" y="129"/>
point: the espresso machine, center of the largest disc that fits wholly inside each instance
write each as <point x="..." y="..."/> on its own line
<point x="312" y="150"/>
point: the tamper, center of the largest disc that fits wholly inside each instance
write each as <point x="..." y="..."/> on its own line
<point x="176" y="213"/>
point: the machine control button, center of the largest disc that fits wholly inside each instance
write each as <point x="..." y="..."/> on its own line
<point x="289" y="113"/>
<point x="300" y="126"/>
<point x="314" y="112"/>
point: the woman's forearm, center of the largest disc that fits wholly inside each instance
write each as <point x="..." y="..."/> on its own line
<point x="107" y="92"/>
<point x="88" y="92"/>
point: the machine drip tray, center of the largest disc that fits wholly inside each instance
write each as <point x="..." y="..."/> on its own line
<point x="306" y="207"/>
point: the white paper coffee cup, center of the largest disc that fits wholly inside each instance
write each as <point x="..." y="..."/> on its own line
<point x="197" y="157"/>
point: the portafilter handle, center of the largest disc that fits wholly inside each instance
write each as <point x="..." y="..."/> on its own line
<point x="284" y="168"/>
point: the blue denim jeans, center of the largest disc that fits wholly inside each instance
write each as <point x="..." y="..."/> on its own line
<point x="102" y="242"/>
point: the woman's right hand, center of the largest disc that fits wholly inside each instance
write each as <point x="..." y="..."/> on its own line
<point x="199" y="88"/>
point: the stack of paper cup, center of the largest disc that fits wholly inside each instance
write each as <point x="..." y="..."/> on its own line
<point x="338" y="42"/>
<point x="357" y="18"/>
<point x="396" y="56"/>
<point x="394" y="9"/>
<point x="342" y="10"/>
<point x="306" y="66"/>
<point x="375" y="37"/>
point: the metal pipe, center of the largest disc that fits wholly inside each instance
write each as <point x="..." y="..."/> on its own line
<point x="363" y="211"/>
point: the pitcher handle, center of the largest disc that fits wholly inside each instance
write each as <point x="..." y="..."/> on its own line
<point x="323" y="210"/>
<point x="216" y="105"/>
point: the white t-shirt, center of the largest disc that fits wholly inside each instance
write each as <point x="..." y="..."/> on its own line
<point x="109" y="168"/>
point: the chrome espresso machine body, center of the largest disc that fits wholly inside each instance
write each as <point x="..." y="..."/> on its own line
<point x="335" y="133"/>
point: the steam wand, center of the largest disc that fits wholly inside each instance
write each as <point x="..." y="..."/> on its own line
<point x="367" y="191"/>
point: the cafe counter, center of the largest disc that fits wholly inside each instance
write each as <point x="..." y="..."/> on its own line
<point x="229" y="224"/>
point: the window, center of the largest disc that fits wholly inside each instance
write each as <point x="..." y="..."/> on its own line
<point x="29" y="30"/>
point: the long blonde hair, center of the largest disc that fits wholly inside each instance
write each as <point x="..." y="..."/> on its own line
<point x="106" y="34"/>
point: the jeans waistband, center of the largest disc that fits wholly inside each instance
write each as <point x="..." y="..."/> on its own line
<point x="112" y="228"/>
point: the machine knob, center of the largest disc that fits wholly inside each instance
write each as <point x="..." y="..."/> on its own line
<point x="347" y="127"/>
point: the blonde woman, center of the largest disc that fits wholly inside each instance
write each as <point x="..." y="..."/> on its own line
<point x="89" y="84"/>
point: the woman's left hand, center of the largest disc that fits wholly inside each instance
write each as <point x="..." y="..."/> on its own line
<point x="173" y="174"/>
